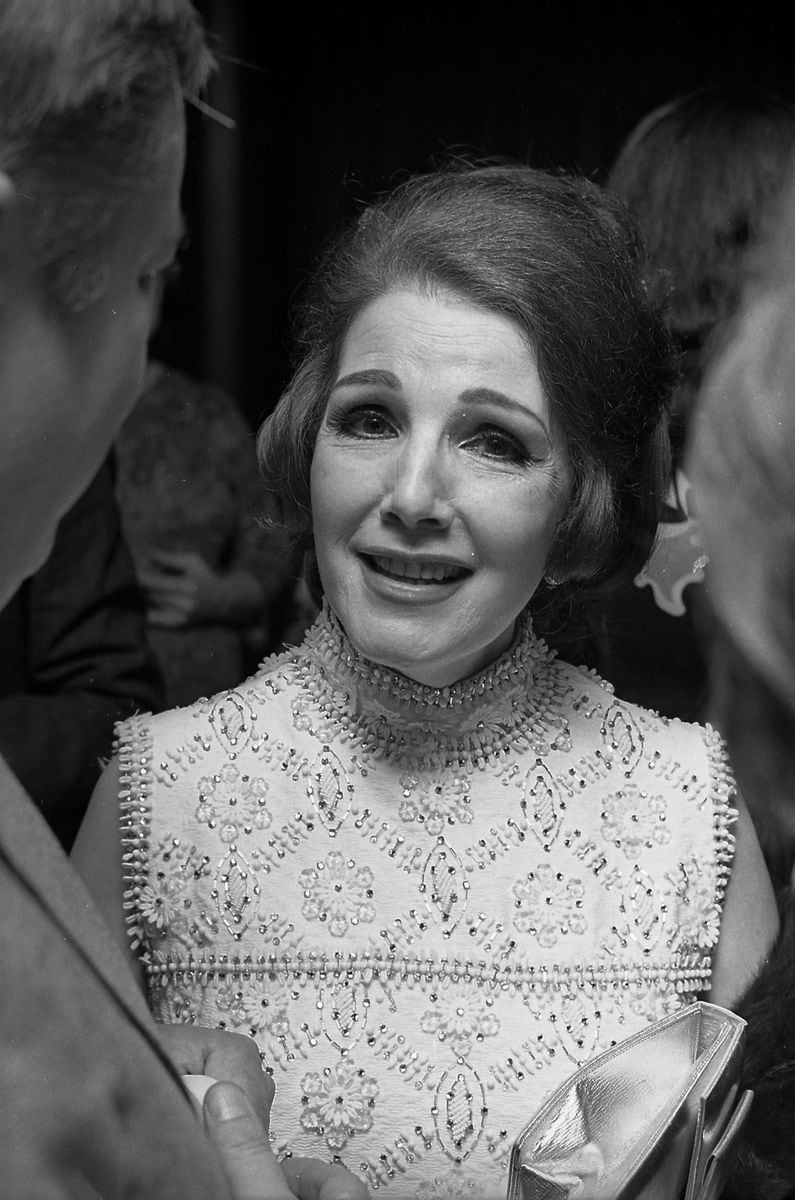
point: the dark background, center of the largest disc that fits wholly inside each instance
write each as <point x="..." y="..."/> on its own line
<point x="331" y="105"/>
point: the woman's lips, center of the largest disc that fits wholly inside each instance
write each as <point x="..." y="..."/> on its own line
<point x="420" y="571"/>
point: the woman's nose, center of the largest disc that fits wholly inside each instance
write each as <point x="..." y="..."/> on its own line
<point x="418" y="492"/>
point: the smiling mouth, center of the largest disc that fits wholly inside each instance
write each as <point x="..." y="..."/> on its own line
<point x="414" y="571"/>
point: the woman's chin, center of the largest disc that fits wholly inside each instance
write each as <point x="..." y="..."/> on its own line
<point x="435" y="633"/>
<point x="423" y="667"/>
<point x="435" y="659"/>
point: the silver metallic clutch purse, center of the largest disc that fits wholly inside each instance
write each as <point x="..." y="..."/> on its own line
<point x="656" y="1117"/>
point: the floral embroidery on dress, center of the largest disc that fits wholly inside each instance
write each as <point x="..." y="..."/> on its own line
<point x="442" y="798"/>
<point x="262" y="1008"/>
<point x="695" y="913"/>
<point x="452" y="1186"/>
<point x="166" y="901"/>
<point x="422" y="936"/>
<point x="240" y="799"/>
<point x="338" y="1102"/>
<point x="458" y="1021"/>
<point x="262" y="1004"/>
<point x="654" y="1008"/>
<point x="547" y="905"/>
<point x="338" y="892"/>
<point x="161" y="902"/>
<point x="632" y="819"/>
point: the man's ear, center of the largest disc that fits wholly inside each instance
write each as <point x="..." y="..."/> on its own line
<point x="7" y="193"/>
<point x="16" y="259"/>
<point x="7" y="198"/>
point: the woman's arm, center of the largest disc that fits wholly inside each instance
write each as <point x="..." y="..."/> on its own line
<point x="97" y="857"/>
<point x="750" y="918"/>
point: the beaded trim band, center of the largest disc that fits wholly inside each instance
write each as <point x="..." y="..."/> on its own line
<point x="691" y="975"/>
<point x="723" y="792"/>
<point x="401" y="713"/>
<point x="133" y="748"/>
<point x="327" y="641"/>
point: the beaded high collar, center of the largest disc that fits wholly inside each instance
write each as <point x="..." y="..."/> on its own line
<point x="516" y="698"/>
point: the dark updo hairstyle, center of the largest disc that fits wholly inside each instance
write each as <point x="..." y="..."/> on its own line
<point x="556" y="255"/>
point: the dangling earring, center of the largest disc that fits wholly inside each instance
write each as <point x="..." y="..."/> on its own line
<point x="551" y="581"/>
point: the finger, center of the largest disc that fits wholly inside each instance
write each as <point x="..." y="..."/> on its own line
<point x="243" y="1065"/>
<point x="166" y="585"/>
<point x="242" y="1144"/>
<point x="179" y="598"/>
<point x="312" y="1179"/>
<point x="164" y="599"/>
<point x="153" y="580"/>
<point x="233" y="1057"/>
<point x="166" y="618"/>
<point x="174" y="560"/>
<point x="172" y="605"/>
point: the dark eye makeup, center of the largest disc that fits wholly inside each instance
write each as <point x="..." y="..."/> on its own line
<point x="374" y="421"/>
<point x="500" y="445"/>
<point x="367" y="421"/>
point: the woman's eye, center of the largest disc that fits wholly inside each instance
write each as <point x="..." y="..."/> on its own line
<point x="363" y="422"/>
<point x="498" y="444"/>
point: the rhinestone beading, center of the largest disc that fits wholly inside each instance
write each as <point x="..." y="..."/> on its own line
<point x="425" y="905"/>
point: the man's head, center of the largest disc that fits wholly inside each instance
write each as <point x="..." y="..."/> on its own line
<point x="91" y="159"/>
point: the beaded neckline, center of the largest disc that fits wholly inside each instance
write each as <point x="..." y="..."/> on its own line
<point x="515" y="701"/>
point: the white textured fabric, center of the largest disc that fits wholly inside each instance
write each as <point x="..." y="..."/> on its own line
<point x="428" y="907"/>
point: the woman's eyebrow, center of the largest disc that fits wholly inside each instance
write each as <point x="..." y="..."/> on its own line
<point x="372" y="377"/>
<point x="495" y="399"/>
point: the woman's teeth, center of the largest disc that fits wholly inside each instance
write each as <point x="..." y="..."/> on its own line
<point x="427" y="572"/>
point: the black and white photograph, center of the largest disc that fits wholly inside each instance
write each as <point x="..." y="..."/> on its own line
<point x="397" y="628"/>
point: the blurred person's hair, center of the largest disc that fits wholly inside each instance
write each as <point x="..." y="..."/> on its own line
<point x="82" y="83"/>
<point x="742" y="464"/>
<point x="701" y="175"/>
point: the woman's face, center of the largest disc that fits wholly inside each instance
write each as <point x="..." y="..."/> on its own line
<point x="438" y="481"/>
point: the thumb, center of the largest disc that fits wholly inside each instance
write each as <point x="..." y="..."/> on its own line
<point x="243" y="1146"/>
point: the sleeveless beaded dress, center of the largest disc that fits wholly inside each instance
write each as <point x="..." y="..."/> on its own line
<point x="427" y="906"/>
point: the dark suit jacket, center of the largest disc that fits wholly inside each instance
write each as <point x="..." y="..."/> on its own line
<point x="74" y="659"/>
<point x="89" y="1105"/>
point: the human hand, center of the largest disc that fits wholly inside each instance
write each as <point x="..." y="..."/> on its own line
<point x="233" y="1057"/>
<point x="237" y="1119"/>
<point x="181" y="589"/>
<point x="240" y="1138"/>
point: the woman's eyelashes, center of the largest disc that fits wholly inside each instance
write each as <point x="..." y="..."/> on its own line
<point x="366" y="421"/>
<point x="374" y="422"/>
<point x="500" y="445"/>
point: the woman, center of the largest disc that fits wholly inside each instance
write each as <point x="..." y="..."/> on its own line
<point x="701" y="175"/>
<point x="427" y="866"/>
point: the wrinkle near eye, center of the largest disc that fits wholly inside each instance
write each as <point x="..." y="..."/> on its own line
<point x="371" y="377"/>
<point x="360" y="421"/>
